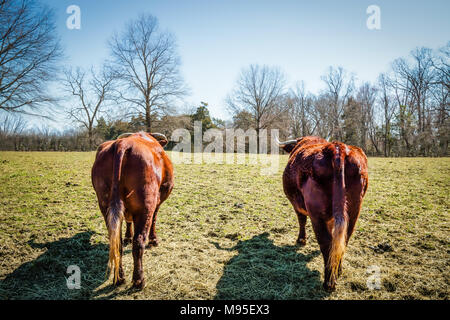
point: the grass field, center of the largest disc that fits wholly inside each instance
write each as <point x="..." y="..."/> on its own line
<point x="226" y="232"/>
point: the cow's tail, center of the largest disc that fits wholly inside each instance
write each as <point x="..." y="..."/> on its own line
<point x="115" y="214"/>
<point x="339" y="207"/>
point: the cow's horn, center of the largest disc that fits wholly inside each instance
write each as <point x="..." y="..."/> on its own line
<point x="283" y="143"/>
<point x="124" y="135"/>
<point x="159" y="136"/>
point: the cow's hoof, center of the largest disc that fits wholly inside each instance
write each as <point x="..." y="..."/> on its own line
<point x="340" y="270"/>
<point x="301" y="242"/>
<point x="153" y="243"/>
<point x="120" y="281"/>
<point x="139" y="284"/>
<point x="329" y="287"/>
<point x="127" y="241"/>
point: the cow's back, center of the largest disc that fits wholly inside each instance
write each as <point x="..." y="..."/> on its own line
<point x="146" y="170"/>
<point x="309" y="158"/>
<point x="313" y="159"/>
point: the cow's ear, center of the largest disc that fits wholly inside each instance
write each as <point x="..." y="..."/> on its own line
<point x="163" y="142"/>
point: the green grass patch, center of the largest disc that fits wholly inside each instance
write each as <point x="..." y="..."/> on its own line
<point x="226" y="232"/>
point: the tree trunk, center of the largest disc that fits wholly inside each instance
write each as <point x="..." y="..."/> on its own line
<point x="257" y="139"/>
<point x="91" y="142"/>
<point x="148" y="120"/>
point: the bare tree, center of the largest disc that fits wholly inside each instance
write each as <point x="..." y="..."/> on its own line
<point x="441" y="94"/>
<point x="442" y="65"/>
<point x="90" y="96"/>
<point x="11" y="126"/>
<point x="303" y="123"/>
<point x="146" y="61"/>
<point x="259" y="91"/>
<point x="366" y="97"/>
<point x="339" y="88"/>
<point x="403" y="116"/>
<point x="320" y="114"/>
<point x="417" y="78"/>
<point x="29" y="50"/>
<point x="388" y="108"/>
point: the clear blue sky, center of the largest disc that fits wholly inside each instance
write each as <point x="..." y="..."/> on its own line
<point x="217" y="38"/>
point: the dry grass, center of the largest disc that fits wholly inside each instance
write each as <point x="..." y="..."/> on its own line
<point x="226" y="232"/>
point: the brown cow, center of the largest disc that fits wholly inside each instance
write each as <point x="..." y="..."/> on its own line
<point x="327" y="182"/>
<point x="132" y="176"/>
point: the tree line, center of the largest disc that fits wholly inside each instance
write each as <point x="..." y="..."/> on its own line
<point x="403" y="113"/>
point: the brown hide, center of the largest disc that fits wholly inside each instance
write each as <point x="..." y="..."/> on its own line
<point x="327" y="182"/>
<point x="132" y="176"/>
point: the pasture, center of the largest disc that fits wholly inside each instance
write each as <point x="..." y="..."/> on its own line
<point x="226" y="232"/>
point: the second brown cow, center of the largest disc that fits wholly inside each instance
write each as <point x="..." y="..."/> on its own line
<point x="327" y="182"/>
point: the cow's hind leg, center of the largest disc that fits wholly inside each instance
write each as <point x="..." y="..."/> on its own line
<point x="324" y="238"/>
<point x="301" y="240"/>
<point x="121" y="277"/>
<point x="141" y="229"/>
<point x="153" y="239"/>
<point x="128" y="234"/>
<point x="142" y="224"/>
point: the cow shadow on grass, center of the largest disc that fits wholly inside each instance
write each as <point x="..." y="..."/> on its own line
<point x="262" y="270"/>
<point x="46" y="276"/>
